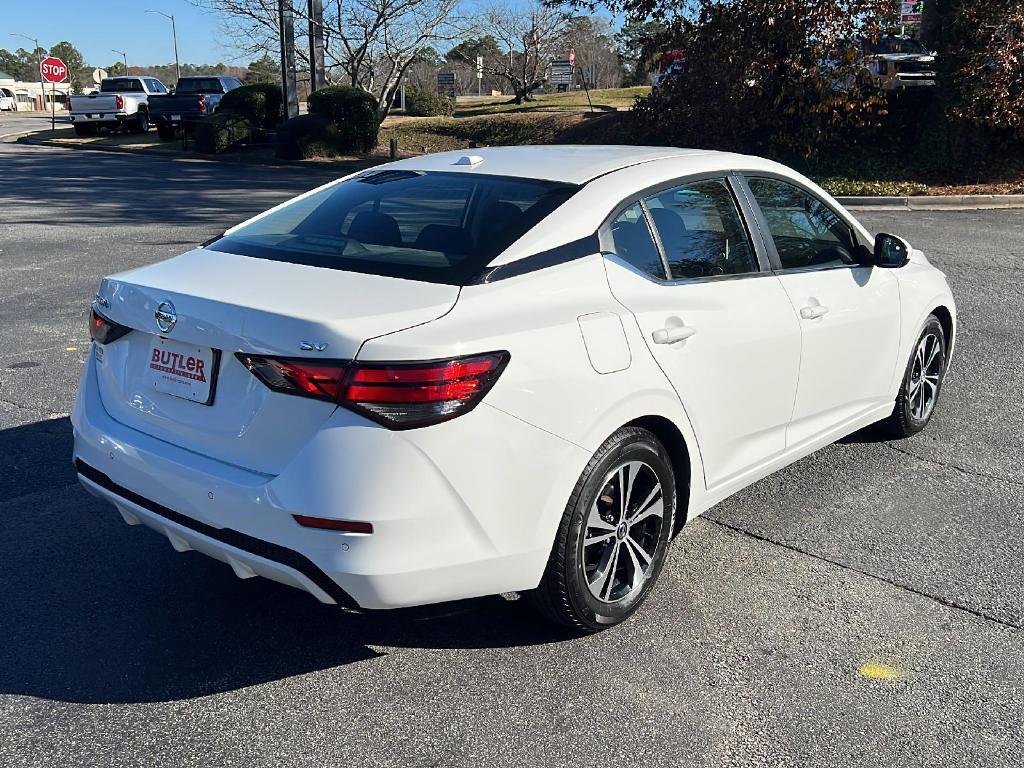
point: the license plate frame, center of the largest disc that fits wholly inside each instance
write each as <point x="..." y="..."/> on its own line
<point x="170" y="375"/>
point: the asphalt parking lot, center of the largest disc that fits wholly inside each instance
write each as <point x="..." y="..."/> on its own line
<point x="864" y="607"/>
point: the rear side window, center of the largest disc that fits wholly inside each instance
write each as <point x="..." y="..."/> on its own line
<point x="121" y="85"/>
<point x="199" y="85"/>
<point x="438" y="227"/>
<point x="634" y="244"/>
<point x="701" y="231"/>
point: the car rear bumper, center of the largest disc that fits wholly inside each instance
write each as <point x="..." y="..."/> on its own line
<point x="444" y="528"/>
<point x="98" y="117"/>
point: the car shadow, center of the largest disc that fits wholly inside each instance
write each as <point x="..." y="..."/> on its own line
<point x="95" y="611"/>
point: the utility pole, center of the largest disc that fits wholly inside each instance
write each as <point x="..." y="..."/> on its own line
<point x="39" y="68"/>
<point x="317" y="72"/>
<point x="286" y="24"/>
<point x="174" y="35"/>
<point x="125" y="55"/>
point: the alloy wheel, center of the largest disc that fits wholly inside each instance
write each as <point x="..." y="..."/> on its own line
<point x="923" y="384"/>
<point x="622" y="532"/>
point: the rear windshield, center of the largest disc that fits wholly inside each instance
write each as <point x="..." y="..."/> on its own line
<point x="121" y="85"/>
<point x="438" y="227"/>
<point x="199" y="85"/>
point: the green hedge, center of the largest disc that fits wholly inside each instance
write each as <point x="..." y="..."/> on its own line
<point x="427" y="104"/>
<point x="221" y="131"/>
<point x="309" y="136"/>
<point x="260" y="103"/>
<point x="352" y="112"/>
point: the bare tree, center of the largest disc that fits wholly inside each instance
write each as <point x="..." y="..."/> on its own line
<point x="530" y="31"/>
<point x="593" y="39"/>
<point x="371" y="43"/>
<point x="368" y="44"/>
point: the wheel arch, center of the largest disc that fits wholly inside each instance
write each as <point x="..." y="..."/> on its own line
<point x="945" y="317"/>
<point x="679" y="453"/>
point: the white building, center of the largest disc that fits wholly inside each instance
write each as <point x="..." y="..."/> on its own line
<point x="33" y="96"/>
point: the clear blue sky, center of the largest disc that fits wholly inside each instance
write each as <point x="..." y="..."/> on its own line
<point x="96" y="26"/>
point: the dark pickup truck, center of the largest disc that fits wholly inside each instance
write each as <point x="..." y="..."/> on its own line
<point x="193" y="97"/>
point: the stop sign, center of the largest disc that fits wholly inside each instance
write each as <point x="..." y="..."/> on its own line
<point x="53" y="70"/>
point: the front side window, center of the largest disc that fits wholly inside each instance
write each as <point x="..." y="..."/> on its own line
<point x="439" y="226"/>
<point x="807" y="233"/>
<point x="701" y="231"/>
<point x="634" y="243"/>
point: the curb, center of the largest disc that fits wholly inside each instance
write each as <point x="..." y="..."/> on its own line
<point x="879" y="203"/>
<point x="933" y="202"/>
<point x="6" y="136"/>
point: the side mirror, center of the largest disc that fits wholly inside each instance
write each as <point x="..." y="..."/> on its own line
<point x="891" y="252"/>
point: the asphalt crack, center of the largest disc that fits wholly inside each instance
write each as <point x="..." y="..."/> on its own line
<point x="957" y="467"/>
<point x="892" y="583"/>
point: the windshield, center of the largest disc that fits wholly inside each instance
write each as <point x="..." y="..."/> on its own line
<point x="121" y="85"/>
<point x="897" y="45"/>
<point x="199" y="85"/>
<point x="437" y="227"/>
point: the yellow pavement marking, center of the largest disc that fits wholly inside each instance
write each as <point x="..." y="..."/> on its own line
<point x="72" y="349"/>
<point x="878" y="670"/>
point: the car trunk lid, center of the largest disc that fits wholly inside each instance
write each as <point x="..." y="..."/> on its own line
<point x="229" y="303"/>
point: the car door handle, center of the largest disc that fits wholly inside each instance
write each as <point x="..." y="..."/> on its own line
<point x="813" y="312"/>
<point x="672" y="335"/>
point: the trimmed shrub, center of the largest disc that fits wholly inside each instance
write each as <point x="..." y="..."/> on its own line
<point x="260" y="103"/>
<point x="352" y="111"/>
<point x="308" y="136"/>
<point x="221" y="131"/>
<point x="427" y="104"/>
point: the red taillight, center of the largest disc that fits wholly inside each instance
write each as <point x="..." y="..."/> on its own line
<point x="320" y="379"/>
<point x="330" y="524"/>
<point x="397" y="395"/>
<point x="119" y="101"/>
<point x="103" y="330"/>
<point x="202" y="104"/>
<point x="406" y="395"/>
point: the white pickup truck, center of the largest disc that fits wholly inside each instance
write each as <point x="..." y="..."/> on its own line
<point x="121" y="101"/>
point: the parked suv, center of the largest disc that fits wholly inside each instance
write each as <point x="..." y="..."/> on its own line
<point x="193" y="98"/>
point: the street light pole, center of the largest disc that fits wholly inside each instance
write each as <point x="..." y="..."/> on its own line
<point x="39" y="68"/>
<point x="174" y="34"/>
<point x="125" y="55"/>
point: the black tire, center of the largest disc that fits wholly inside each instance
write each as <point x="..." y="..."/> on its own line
<point x="166" y="132"/>
<point x="565" y="594"/>
<point x="141" y="124"/>
<point x="85" y="129"/>
<point x="910" y="414"/>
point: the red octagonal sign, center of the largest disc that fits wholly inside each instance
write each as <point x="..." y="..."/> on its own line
<point x="53" y="70"/>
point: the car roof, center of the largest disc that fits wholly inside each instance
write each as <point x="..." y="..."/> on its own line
<point x="571" y="164"/>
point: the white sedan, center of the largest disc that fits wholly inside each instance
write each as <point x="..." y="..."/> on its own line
<point x="521" y="370"/>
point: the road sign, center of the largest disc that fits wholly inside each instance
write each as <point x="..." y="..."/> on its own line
<point x="561" y="72"/>
<point x="479" y="63"/>
<point x="572" y="56"/>
<point x="910" y="11"/>
<point x="446" y="83"/>
<point x="53" y="70"/>
<point x="99" y="75"/>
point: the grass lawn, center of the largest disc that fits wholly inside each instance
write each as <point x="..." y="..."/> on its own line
<point x="606" y="99"/>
